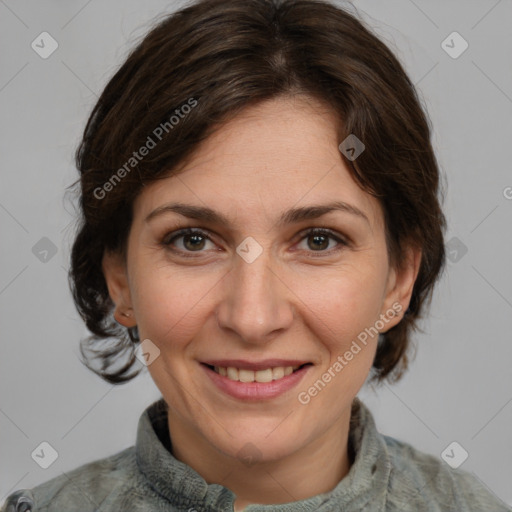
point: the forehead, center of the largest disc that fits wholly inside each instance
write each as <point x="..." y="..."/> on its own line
<point x="279" y="154"/>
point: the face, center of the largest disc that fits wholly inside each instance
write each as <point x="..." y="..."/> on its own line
<point x="261" y="285"/>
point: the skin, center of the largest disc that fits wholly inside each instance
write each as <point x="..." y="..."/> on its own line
<point x="298" y="299"/>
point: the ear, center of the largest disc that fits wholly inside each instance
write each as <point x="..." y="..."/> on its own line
<point x="116" y="276"/>
<point x="400" y="284"/>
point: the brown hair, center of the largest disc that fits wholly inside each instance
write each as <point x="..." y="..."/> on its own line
<point x="221" y="56"/>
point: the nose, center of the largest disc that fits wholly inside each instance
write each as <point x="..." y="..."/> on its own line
<point x="256" y="302"/>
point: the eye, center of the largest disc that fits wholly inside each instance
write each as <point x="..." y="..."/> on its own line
<point x="319" y="239"/>
<point x="194" y="240"/>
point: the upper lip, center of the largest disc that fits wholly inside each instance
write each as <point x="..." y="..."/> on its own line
<point x="254" y="365"/>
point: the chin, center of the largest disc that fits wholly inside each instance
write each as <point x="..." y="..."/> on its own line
<point x="252" y="447"/>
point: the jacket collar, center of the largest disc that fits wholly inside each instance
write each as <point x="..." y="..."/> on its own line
<point x="367" y="480"/>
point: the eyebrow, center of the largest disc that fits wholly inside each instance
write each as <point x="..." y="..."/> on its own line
<point x="294" y="215"/>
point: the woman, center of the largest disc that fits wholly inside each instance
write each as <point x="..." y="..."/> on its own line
<point x="261" y="229"/>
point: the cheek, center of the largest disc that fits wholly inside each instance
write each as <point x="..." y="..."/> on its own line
<point x="341" y="314"/>
<point x="171" y="304"/>
<point x="335" y="304"/>
<point x="346" y="301"/>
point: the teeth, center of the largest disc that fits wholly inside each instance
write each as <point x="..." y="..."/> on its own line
<point x="232" y="373"/>
<point x="278" y="373"/>
<point x="267" y="375"/>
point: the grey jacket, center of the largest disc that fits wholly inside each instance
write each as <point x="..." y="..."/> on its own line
<point x="386" y="476"/>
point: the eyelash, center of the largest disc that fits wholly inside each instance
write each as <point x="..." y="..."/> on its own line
<point x="167" y="242"/>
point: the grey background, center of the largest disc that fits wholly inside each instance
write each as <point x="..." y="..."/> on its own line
<point x="459" y="388"/>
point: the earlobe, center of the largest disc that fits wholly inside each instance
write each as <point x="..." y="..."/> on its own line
<point x="124" y="317"/>
<point x="116" y="277"/>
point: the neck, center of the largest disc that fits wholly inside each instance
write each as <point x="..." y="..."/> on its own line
<point x="314" y="469"/>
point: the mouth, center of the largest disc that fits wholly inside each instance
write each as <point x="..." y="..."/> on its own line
<point x="264" y="374"/>
<point x="247" y="380"/>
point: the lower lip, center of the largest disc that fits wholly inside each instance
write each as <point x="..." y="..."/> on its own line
<point x="256" y="390"/>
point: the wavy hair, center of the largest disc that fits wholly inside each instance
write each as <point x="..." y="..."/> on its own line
<point x="228" y="55"/>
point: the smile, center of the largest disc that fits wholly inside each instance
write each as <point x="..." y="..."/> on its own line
<point x="266" y="375"/>
<point x="261" y="384"/>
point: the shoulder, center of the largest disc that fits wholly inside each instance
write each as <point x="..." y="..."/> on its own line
<point x="83" y="488"/>
<point x="427" y="483"/>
